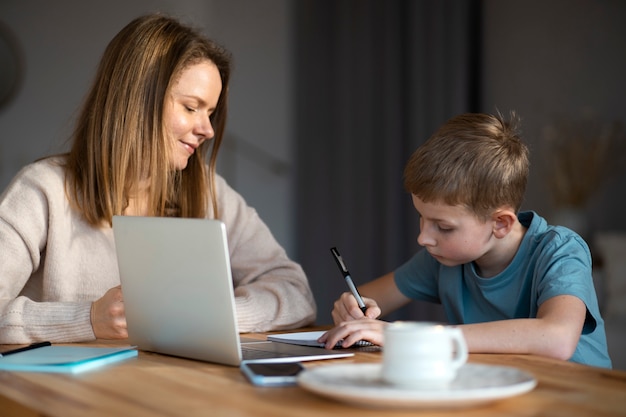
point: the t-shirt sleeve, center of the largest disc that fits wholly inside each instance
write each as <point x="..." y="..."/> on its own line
<point x="567" y="271"/>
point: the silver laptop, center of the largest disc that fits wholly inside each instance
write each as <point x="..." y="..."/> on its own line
<point x="178" y="293"/>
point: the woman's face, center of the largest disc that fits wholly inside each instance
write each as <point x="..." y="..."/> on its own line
<point x="188" y="107"/>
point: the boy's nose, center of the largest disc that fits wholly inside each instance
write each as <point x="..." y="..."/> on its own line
<point x="423" y="239"/>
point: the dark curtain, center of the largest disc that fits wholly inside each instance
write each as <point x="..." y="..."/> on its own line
<point x="374" y="79"/>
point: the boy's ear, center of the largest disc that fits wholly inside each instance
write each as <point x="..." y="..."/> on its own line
<point x="503" y="221"/>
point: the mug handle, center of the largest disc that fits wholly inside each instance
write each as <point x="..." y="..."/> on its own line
<point x="461" y="353"/>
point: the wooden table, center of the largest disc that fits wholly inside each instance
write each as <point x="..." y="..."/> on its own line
<point x="158" y="385"/>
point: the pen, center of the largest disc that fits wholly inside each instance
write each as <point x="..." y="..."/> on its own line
<point x="25" y="348"/>
<point x="346" y="275"/>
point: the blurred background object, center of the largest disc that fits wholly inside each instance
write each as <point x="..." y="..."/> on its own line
<point x="579" y="155"/>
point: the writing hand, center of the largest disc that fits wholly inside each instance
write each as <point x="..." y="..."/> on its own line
<point x="108" y="318"/>
<point x="346" y="308"/>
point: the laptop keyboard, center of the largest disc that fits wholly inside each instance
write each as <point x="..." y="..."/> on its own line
<point x="249" y="353"/>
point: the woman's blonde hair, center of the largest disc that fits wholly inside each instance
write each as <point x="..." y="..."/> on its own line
<point x="474" y="160"/>
<point x="119" y="139"/>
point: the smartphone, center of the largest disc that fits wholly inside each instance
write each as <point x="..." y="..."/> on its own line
<point x="271" y="374"/>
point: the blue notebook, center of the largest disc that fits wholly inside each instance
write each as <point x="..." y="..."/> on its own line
<point x="64" y="359"/>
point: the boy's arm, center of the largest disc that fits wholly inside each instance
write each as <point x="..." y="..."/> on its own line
<point x="381" y="296"/>
<point x="554" y="333"/>
<point x="386" y="293"/>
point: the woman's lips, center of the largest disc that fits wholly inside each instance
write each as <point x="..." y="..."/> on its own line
<point x="191" y="148"/>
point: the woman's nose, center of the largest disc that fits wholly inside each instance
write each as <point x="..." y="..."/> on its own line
<point x="204" y="128"/>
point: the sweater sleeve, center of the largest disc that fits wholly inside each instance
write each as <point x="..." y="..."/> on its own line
<point x="271" y="291"/>
<point x="29" y="313"/>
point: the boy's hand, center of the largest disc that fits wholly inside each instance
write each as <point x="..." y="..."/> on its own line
<point x="350" y="332"/>
<point x="346" y="309"/>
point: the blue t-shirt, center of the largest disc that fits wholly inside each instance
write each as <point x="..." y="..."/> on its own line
<point x="551" y="261"/>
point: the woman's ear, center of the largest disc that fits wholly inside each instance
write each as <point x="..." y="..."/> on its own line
<point x="503" y="221"/>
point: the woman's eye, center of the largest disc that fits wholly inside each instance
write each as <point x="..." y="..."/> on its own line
<point x="190" y="109"/>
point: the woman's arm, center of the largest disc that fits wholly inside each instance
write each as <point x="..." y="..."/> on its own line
<point x="52" y="265"/>
<point x="271" y="291"/>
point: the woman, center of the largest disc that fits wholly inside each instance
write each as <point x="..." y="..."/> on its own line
<point x="156" y="111"/>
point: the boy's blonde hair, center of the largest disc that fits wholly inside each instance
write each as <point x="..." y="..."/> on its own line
<point x="475" y="160"/>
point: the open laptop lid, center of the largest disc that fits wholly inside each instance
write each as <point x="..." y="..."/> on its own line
<point x="177" y="286"/>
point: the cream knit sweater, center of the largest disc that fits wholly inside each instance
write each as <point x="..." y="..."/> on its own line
<point x="53" y="264"/>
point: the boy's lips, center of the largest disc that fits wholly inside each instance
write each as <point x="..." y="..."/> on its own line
<point x="434" y="255"/>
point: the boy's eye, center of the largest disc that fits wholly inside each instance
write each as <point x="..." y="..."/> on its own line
<point x="445" y="229"/>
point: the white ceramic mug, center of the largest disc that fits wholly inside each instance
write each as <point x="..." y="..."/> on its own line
<point x="422" y="355"/>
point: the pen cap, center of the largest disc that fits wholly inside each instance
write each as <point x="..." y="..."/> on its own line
<point x="342" y="267"/>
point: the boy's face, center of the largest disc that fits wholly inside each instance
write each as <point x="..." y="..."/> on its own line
<point x="452" y="234"/>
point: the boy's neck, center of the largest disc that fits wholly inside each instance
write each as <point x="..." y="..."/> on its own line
<point x="502" y="253"/>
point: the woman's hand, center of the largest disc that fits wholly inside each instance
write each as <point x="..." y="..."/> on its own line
<point x="346" y="308"/>
<point x="108" y="318"/>
<point x="350" y="332"/>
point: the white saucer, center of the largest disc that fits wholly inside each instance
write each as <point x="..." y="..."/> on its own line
<point x="360" y="384"/>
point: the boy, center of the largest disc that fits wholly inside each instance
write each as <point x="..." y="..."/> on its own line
<point x="512" y="283"/>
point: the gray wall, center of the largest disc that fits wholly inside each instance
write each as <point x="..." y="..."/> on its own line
<point x="540" y="58"/>
<point x="62" y="42"/>
<point x="546" y="59"/>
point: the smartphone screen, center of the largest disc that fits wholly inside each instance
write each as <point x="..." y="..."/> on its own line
<point x="271" y="374"/>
